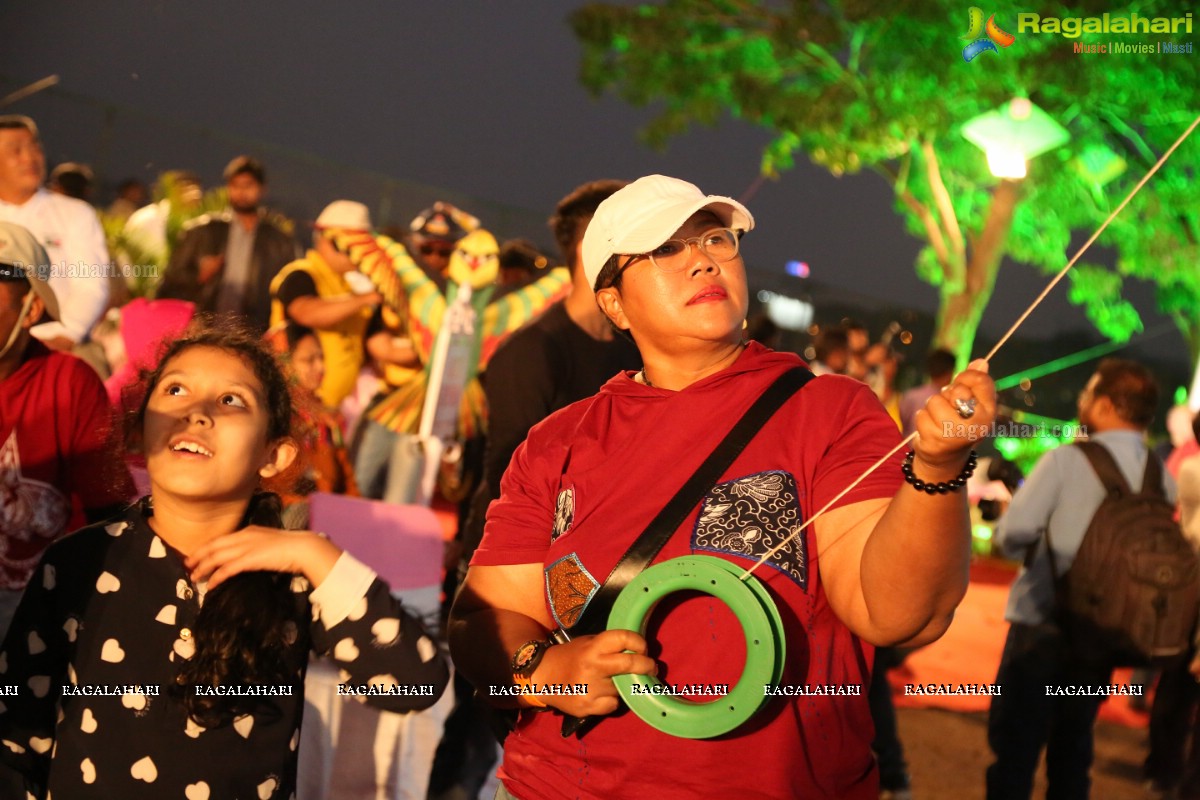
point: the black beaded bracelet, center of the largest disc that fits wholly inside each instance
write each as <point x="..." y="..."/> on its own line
<point x="952" y="485"/>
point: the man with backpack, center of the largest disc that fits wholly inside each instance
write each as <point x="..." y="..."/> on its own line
<point x="1063" y="643"/>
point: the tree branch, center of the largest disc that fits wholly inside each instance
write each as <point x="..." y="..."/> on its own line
<point x="932" y="231"/>
<point x="1130" y="134"/>
<point x="936" y="239"/>
<point x="945" y="206"/>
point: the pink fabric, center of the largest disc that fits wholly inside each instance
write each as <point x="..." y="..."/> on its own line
<point x="1181" y="454"/>
<point x="145" y="326"/>
<point x="403" y="544"/>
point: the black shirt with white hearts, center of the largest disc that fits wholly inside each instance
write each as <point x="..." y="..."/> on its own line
<point x="111" y="608"/>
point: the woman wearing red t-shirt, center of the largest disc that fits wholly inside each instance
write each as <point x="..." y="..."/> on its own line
<point x="885" y="565"/>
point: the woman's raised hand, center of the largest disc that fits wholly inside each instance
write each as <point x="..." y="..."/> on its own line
<point x="953" y="420"/>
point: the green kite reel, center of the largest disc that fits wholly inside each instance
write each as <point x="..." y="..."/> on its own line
<point x="760" y="621"/>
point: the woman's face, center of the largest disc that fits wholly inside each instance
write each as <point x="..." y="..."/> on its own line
<point x="705" y="301"/>
<point x="308" y="363"/>
<point x="205" y="430"/>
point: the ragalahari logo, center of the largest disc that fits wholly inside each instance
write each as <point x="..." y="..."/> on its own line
<point x="993" y="35"/>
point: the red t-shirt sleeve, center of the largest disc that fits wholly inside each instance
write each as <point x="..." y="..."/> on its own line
<point x="95" y="466"/>
<point x="863" y="434"/>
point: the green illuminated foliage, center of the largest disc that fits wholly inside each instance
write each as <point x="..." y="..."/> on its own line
<point x="882" y="87"/>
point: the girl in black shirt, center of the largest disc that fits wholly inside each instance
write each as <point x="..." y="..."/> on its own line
<point x="162" y="653"/>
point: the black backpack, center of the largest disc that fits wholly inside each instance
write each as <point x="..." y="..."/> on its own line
<point x="1132" y="594"/>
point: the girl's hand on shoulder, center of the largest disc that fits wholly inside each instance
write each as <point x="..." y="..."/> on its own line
<point x="259" y="549"/>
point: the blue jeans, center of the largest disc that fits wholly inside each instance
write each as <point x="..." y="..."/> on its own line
<point x="388" y="465"/>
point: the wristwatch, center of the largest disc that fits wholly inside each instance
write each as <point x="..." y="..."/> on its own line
<point x="524" y="661"/>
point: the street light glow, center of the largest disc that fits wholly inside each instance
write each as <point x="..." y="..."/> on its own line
<point x="1006" y="162"/>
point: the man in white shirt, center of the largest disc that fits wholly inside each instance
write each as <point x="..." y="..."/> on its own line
<point x="68" y="228"/>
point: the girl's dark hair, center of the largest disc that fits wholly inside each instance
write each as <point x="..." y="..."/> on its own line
<point x="244" y="635"/>
<point x="235" y="339"/>
<point x="242" y="631"/>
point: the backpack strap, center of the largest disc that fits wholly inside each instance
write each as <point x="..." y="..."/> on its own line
<point x="1152" y="480"/>
<point x="1114" y="484"/>
<point x="1106" y="468"/>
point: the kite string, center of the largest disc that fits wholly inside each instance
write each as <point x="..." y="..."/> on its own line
<point x="1062" y="273"/>
<point x="993" y="351"/>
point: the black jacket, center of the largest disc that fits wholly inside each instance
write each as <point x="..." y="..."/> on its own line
<point x="208" y="235"/>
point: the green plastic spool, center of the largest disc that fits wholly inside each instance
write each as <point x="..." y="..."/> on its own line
<point x="760" y="621"/>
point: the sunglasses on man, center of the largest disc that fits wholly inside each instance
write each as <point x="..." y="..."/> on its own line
<point x="431" y="248"/>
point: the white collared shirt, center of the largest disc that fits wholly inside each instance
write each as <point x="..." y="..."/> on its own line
<point x="70" y="231"/>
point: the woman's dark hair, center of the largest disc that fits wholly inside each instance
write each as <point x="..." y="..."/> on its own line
<point x="295" y="333"/>
<point x="610" y="274"/>
<point x="242" y="631"/>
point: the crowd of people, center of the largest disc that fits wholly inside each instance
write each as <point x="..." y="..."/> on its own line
<point x="181" y="426"/>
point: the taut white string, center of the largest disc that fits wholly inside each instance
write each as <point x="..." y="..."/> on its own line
<point x="1037" y="301"/>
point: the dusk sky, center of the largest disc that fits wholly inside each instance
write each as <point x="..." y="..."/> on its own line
<point x="479" y="98"/>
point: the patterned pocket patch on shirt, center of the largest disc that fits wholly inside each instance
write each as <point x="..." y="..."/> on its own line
<point x="750" y="516"/>
<point x="570" y="588"/>
<point x="564" y="513"/>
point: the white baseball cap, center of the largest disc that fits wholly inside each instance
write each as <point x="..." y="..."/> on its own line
<point x="647" y="212"/>
<point x="22" y="258"/>
<point x="345" y="215"/>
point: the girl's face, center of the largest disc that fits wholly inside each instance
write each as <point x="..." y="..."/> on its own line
<point x="205" y="430"/>
<point x="308" y="363"/>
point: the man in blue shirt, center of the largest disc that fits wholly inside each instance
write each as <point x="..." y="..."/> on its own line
<point x="1061" y="494"/>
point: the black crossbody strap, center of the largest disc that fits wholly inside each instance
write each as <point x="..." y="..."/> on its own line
<point x="655" y="536"/>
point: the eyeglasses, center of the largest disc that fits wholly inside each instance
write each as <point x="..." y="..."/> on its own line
<point x="673" y="255"/>
<point x="442" y="250"/>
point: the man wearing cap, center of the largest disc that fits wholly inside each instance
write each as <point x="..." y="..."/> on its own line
<point x="224" y="263"/>
<point x="381" y="439"/>
<point x="433" y="234"/>
<point x="886" y="564"/>
<point x="58" y="467"/>
<point x="67" y="228"/>
<point x="314" y="292"/>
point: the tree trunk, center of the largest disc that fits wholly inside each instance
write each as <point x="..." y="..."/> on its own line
<point x="962" y="304"/>
<point x="1191" y="334"/>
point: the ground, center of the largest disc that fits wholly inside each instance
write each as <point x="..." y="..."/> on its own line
<point x="947" y="754"/>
